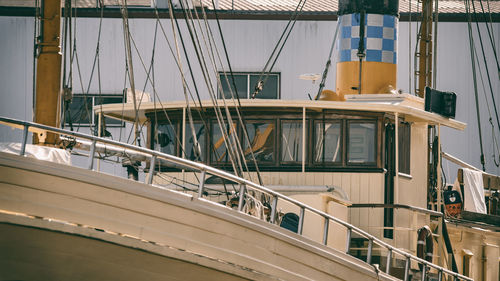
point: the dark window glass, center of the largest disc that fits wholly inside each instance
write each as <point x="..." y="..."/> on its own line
<point x="199" y="130"/>
<point x="241" y="85"/>
<point x="219" y="149"/>
<point x="291" y="141"/>
<point x="328" y="142"/>
<point x="404" y="132"/>
<point x="270" y="89"/>
<point x="80" y="111"/>
<point x="361" y="143"/>
<point x="261" y="135"/>
<point x="166" y="139"/>
<point x="107" y="100"/>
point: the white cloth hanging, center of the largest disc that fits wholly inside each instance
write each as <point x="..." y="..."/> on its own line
<point x="473" y="191"/>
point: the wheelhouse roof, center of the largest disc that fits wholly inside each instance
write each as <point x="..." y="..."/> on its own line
<point x="407" y="106"/>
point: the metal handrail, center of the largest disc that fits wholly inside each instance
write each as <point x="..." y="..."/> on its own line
<point x="204" y="169"/>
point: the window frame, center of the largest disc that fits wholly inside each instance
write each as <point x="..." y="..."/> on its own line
<point x="313" y="161"/>
<point x="280" y="136"/>
<point x="249" y="87"/>
<point x="94" y="117"/>
<point x="375" y="143"/>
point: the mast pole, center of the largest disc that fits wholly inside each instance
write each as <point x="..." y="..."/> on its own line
<point x="48" y="74"/>
<point x="425" y="49"/>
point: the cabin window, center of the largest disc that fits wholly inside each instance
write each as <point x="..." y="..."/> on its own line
<point x="327" y="148"/>
<point x="246" y="82"/>
<point x="218" y="147"/>
<point x="80" y="112"/>
<point x="166" y="139"/>
<point x="200" y="131"/>
<point x="404" y="141"/>
<point x="262" y="140"/>
<point x="291" y="141"/>
<point x="361" y="142"/>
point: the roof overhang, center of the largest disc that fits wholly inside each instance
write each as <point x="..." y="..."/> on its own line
<point x="400" y="104"/>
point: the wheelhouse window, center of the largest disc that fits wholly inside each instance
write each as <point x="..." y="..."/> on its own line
<point x="291" y="141"/>
<point x="246" y="83"/>
<point x="166" y="139"/>
<point x="189" y="149"/>
<point x="404" y="140"/>
<point x="262" y="140"/>
<point x="328" y="140"/>
<point x="361" y="142"/>
<point x="218" y="148"/>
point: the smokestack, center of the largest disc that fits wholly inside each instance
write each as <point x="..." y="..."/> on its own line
<point x="367" y="56"/>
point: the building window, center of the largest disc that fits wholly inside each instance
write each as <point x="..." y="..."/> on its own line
<point x="262" y="139"/>
<point x="361" y="142"/>
<point x="404" y="138"/>
<point x="291" y="141"/>
<point x="327" y="148"/>
<point x="245" y="85"/>
<point x="80" y="112"/>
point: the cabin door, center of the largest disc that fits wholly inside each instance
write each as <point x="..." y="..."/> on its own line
<point x="390" y="167"/>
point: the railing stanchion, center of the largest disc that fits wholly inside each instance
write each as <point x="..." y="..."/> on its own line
<point x="202" y="184"/>
<point x="424" y="271"/>
<point x="273" y="209"/>
<point x="301" y="221"/>
<point x="348" y="240"/>
<point x="407" y="269"/>
<point x="440" y="275"/>
<point x="242" y="197"/>
<point x="369" y="253"/>
<point x="152" y="165"/>
<point x="91" y="155"/>
<point x="388" y="263"/>
<point x="325" y="231"/>
<point x="25" y="139"/>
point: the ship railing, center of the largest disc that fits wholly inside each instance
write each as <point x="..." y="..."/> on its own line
<point x="245" y="185"/>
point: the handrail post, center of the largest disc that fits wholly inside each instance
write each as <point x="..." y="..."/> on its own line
<point x="202" y="184"/>
<point x="91" y="155"/>
<point x="440" y="275"/>
<point x="424" y="271"/>
<point x="388" y="263"/>
<point x="301" y="221"/>
<point x="273" y="209"/>
<point x="242" y="197"/>
<point x="152" y="165"/>
<point x="407" y="269"/>
<point x="348" y="240"/>
<point x="325" y="231"/>
<point x="25" y="139"/>
<point x="369" y="253"/>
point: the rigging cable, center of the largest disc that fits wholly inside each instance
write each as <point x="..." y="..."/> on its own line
<point x="126" y="31"/>
<point x="471" y="46"/>
<point x="329" y="61"/>
<point x="242" y="119"/>
<point x="233" y="141"/>
<point x="236" y="105"/>
<point x="260" y="83"/>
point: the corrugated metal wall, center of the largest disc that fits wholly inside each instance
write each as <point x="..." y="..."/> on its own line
<point x="249" y="43"/>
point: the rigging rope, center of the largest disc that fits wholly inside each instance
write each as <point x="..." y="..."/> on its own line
<point x="471" y="46"/>
<point x="260" y="83"/>
<point x="328" y="63"/>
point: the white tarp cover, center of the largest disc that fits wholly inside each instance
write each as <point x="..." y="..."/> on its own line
<point x="473" y="191"/>
<point x="45" y="153"/>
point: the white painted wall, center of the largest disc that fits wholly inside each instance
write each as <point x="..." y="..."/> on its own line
<point x="249" y="45"/>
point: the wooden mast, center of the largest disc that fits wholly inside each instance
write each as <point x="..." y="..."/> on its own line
<point x="48" y="74"/>
<point x="425" y="49"/>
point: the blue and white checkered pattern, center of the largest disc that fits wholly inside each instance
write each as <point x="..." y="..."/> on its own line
<point x="380" y="38"/>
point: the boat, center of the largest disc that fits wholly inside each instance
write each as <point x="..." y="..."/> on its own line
<point x="250" y="189"/>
